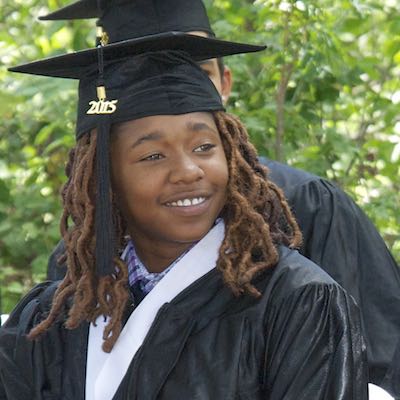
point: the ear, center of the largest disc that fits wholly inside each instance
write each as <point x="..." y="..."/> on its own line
<point x="226" y="84"/>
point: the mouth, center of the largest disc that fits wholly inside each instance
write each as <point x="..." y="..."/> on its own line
<point x="186" y="202"/>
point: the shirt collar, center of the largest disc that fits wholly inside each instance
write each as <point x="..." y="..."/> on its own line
<point x="137" y="271"/>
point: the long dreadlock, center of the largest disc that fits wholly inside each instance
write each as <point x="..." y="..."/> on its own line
<point x="256" y="215"/>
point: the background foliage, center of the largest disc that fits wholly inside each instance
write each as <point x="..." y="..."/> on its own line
<point x="324" y="97"/>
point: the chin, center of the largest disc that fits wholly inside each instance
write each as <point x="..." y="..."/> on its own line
<point x="192" y="233"/>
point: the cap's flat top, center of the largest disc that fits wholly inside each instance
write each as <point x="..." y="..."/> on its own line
<point x="75" y="65"/>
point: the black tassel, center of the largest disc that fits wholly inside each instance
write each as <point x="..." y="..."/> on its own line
<point x="105" y="241"/>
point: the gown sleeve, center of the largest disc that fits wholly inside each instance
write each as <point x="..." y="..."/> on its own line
<point x="20" y="358"/>
<point x="55" y="271"/>
<point x="314" y="348"/>
<point x="340" y="238"/>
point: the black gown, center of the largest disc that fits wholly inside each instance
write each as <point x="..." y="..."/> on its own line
<point x="300" y="340"/>
<point x="339" y="237"/>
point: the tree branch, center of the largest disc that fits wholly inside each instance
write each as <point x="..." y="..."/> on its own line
<point x="286" y="73"/>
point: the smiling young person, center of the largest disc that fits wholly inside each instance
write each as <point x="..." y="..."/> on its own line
<point x="171" y="176"/>
<point x="182" y="277"/>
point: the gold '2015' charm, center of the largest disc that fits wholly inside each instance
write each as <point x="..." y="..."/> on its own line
<point x="102" y="107"/>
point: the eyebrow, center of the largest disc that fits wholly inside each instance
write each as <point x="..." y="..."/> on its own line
<point x="155" y="135"/>
<point x="200" y="126"/>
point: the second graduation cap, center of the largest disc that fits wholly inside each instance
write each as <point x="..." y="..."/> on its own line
<point x="127" y="20"/>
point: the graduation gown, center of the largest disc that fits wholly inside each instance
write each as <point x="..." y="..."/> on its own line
<point x="339" y="237"/>
<point x="300" y="340"/>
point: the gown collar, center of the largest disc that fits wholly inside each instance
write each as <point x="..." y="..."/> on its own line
<point x="105" y="371"/>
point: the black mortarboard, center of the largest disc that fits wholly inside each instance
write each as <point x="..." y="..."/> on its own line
<point x="152" y="72"/>
<point x="127" y="19"/>
<point x="73" y="64"/>
<point x="156" y="83"/>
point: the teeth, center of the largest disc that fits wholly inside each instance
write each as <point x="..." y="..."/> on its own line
<point x="187" y="202"/>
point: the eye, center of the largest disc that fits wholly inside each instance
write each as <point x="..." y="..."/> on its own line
<point x="204" y="148"/>
<point x="153" y="157"/>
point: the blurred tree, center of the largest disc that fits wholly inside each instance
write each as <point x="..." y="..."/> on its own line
<point x="324" y="97"/>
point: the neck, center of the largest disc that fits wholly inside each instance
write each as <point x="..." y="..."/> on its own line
<point x="158" y="256"/>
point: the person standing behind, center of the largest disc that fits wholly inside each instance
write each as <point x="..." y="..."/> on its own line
<point x="337" y="235"/>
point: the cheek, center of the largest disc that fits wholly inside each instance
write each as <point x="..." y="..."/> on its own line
<point x="220" y="173"/>
<point x="134" y="190"/>
<point x="124" y="187"/>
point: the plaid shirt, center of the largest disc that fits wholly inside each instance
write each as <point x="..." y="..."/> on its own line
<point x="137" y="272"/>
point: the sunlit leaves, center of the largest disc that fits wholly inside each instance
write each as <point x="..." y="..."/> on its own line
<point x="335" y="63"/>
<point x="342" y="101"/>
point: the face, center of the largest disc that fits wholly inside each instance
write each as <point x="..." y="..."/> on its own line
<point x="222" y="82"/>
<point x="210" y="67"/>
<point x="170" y="176"/>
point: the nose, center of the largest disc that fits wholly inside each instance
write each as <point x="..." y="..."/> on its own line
<point x="185" y="170"/>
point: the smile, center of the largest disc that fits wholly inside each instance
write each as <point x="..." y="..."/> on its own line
<point x="187" y="202"/>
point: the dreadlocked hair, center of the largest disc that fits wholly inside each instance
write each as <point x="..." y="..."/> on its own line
<point x="256" y="215"/>
<point x="87" y="295"/>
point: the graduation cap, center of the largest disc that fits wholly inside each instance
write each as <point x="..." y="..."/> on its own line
<point x="128" y="19"/>
<point x="72" y="65"/>
<point x="143" y="71"/>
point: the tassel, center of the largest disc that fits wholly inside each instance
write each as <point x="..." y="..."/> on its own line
<point x="105" y="241"/>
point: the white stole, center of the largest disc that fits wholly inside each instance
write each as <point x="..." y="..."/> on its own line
<point x="105" y="371"/>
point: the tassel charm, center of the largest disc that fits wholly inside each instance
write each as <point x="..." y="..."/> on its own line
<point x="101" y="93"/>
<point x="102" y="106"/>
